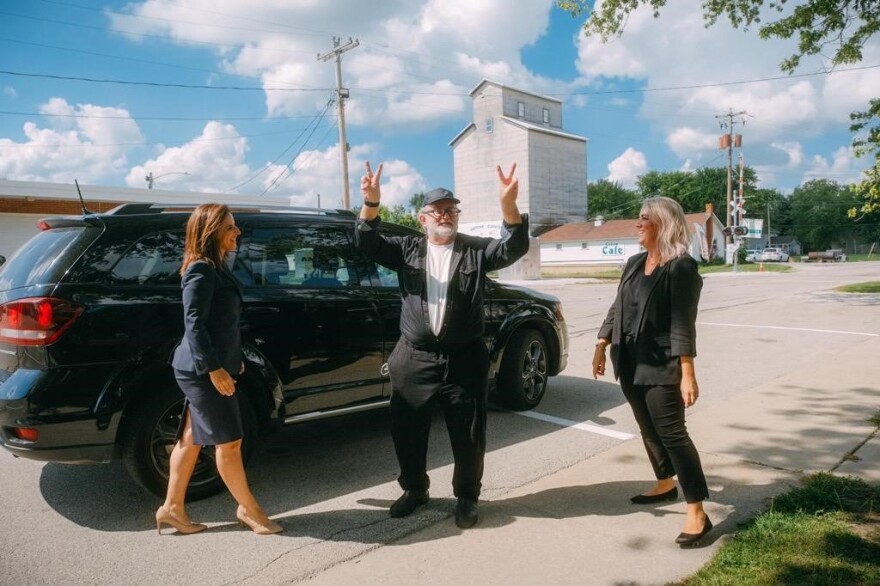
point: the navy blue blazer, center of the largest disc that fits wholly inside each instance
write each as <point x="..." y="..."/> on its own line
<point x="211" y="312"/>
<point x="666" y="322"/>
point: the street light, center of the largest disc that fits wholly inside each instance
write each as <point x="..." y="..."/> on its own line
<point x="150" y="178"/>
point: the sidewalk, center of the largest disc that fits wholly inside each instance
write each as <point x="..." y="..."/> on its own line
<point x="577" y="527"/>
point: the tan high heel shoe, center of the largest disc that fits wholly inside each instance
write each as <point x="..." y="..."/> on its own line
<point x="269" y="528"/>
<point x="165" y="517"/>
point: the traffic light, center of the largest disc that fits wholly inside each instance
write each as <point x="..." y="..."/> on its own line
<point x="741" y="230"/>
<point x="727" y="231"/>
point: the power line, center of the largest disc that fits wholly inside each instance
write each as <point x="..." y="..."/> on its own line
<point x="160" y="118"/>
<point x="418" y="93"/>
<point x="157" y="84"/>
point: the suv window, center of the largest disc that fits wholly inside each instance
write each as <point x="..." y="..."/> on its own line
<point x="302" y="256"/>
<point x="155" y="259"/>
<point x="45" y="257"/>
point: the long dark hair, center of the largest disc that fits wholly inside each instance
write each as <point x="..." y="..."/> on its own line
<point x="203" y="235"/>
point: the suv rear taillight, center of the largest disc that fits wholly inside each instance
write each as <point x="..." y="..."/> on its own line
<point x="36" y="321"/>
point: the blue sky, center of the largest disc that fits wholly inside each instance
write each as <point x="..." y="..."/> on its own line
<point x="228" y="95"/>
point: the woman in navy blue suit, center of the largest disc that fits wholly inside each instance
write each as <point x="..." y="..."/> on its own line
<point x="651" y="328"/>
<point x="204" y="363"/>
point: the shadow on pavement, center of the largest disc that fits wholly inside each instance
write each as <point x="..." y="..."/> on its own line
<point x="314" y="462"/>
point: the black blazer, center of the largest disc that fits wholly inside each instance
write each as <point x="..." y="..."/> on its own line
<point x="666" y="322"/>
<point x="211" y="312"/>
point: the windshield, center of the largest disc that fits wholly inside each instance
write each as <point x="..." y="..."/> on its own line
<point x="45" y="257"/>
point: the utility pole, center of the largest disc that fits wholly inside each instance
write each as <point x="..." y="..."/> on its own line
<point x="728" y="141"/>
<point x="341" y="96"/>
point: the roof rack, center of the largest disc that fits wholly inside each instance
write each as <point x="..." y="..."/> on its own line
<point x="129" y="209"/>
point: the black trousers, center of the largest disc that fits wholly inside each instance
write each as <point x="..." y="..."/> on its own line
<point x="457" y="380"/>
<point x="659" y="411"/>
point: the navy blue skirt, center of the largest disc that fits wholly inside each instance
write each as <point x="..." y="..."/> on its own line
<point x="215" y="418"/>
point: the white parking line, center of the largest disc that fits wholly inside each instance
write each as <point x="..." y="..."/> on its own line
<point x="707" y="323"/>
<point x="576" y="424"/>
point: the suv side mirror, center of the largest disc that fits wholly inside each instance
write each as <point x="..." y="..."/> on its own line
<point x="2" y="260"/>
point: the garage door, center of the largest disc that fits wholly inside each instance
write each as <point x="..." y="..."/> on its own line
<point x="15" y="230"/>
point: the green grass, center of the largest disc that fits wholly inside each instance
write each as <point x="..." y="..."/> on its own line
<point x="866" y="287"/>
<point x="862" y="257"/>
<point x="826" y="531"/>
<point x="875" y="419"/>
<point x="769" y="267"/>
<point x="610" y="274"/>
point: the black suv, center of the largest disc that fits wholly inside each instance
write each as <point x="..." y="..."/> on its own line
<point x="90" y="310"/>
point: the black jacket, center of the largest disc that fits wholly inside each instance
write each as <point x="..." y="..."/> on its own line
<point x="211" y="308"/>
<point x="472" y="258"/>
<point x="666" y="323"/>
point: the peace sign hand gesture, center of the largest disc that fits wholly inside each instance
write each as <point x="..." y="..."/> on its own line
<point x="370" y="183"/>
<point x="509" y="186"/>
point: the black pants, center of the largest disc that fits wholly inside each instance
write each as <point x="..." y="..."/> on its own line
<point x="457" y="380"/>
<point x="659" y="411"/>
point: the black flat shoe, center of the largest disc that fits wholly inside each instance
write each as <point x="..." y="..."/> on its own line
<point x="644" y="499"/>
<point x="409" y="502"/>
<point x="686" y="539"/>
<point x="466" y="513"/>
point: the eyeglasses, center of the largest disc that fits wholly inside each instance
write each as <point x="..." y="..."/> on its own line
<point x="438" y="214"/>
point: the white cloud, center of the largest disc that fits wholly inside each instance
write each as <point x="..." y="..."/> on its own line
<point x="417" y="54"/>
<point x="676" y="50"/>
<point x="626" y="168"/>
<point x="842" y="167"/>
<point x="213" y="162"/>
<point x="10" y="91"/>
<point x="83" y="141"/>
<point x="689" y="142"/>
<point x="794" y="150"/>
<point x="316" y="173"/>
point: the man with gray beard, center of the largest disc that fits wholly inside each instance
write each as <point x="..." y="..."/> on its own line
<point x="441" y="356"/>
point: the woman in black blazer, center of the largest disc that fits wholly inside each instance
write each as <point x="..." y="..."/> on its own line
<point x="651" y="328"/>
<point x="204" y="363"/>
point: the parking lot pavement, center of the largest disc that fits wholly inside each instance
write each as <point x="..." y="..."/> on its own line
<point x="577" y="527"/>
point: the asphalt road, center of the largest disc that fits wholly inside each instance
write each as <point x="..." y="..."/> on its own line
<point x="330" y="483"/>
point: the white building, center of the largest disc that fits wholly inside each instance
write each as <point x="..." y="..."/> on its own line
<point x="514" y="126"/>
<point x="611" y="243"/>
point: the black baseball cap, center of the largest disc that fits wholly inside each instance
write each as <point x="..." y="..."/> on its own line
<point x="440" y="194"/>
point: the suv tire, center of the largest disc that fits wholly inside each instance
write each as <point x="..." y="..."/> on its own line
<point x="151" y="433"/>
<point x="522" y="379"/>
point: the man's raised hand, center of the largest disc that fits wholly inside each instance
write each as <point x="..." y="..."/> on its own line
<point x="370" y="183"/>
<point x="509" y="185"/>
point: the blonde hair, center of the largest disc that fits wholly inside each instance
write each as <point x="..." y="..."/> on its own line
<point x="203" y="235"/>
<point x="673" y="239"/>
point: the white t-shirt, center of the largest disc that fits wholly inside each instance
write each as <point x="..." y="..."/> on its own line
<point x="439" y="264"/>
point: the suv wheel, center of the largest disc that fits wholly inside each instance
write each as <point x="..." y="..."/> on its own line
<point x="151" y="434"/>
<point x="522" y="379"/>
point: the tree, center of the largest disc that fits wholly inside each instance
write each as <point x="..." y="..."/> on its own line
<point x="404" y="215"/>
<point x="819" y="213"/>
<point x="844" y="25"/>
<point x="694" y="189"/>
<point x="611" y="200"/>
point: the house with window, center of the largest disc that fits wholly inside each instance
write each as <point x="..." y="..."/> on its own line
<point x="611" y="243"/>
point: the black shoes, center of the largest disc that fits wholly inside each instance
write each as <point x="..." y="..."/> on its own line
<point x="643" y="499"/>
<point x="408" y="503"/>
<point x="687" y="539"/>
<point x="466" y="513"/>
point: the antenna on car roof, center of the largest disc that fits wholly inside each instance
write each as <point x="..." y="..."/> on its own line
<point x="82" y="202"/>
